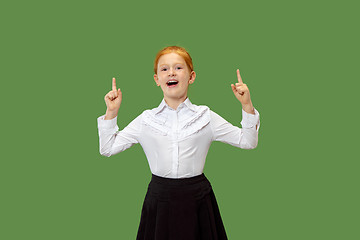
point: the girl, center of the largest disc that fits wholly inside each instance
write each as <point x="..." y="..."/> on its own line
<point x="176" y="136"/>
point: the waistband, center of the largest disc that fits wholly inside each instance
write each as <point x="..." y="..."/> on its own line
<point x="178" y="181"/>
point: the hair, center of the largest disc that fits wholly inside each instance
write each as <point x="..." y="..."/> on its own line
<point x="174" y="49"/>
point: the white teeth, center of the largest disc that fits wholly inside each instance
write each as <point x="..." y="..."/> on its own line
<point x="171" y="82"/>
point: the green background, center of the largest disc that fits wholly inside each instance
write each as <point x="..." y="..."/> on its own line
<point x="299" y="60"/>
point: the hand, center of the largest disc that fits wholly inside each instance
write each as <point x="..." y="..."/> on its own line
<point x="242" y="93"/>
<point x="113" y="98"/>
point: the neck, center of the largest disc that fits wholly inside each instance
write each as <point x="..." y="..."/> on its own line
<point x="174" y="102"/>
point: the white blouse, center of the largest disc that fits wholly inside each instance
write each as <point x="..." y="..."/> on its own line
<point x="176" y="142"/>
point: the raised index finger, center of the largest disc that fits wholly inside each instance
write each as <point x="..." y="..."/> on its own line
<point x="239" y="77"/>
<point x="113" y="84"/>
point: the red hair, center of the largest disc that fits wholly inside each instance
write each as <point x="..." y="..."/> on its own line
<point x="174" y="49"/>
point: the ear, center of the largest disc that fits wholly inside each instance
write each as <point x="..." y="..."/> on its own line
<point x="156" y="80"/>
<point x="192" y="77"/>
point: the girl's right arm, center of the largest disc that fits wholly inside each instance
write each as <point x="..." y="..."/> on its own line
<point x="113" y="101"/>
<point x="112" y="140"/>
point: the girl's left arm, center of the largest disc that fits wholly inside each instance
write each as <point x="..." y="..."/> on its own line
<point x="242" y="93"/>
<point x="245" y="137"/>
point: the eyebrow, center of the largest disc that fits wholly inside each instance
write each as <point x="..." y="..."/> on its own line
<point x="167" y="64"/>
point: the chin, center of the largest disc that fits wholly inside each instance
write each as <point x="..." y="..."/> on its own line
<point x="175" y="96"/>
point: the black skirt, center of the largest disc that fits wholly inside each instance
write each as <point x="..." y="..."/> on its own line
<point x="180" y="209"/>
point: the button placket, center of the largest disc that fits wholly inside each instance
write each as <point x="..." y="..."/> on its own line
<point x="175" y="144"/>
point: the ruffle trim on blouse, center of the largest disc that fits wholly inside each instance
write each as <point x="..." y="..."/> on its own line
<point x="193" y="124"/>
<point x="196" y="122"/>
<point x="156" y="123"/>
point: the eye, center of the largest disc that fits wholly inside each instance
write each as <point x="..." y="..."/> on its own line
<point x="179" y="67"/>
<point x="164" y="69"/>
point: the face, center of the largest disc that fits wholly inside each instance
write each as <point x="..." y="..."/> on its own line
<point x="173" y="76"/>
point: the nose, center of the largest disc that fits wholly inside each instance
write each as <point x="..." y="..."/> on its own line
<point x="171" y="72"/>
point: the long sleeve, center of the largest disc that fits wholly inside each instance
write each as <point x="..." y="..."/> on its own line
<point x="113" y="141"/>
<point x="245" y="137"/>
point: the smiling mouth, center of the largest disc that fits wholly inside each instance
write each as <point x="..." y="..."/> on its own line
<point x="172" y="83"/>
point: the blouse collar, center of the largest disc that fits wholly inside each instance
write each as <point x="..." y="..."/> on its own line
<point x="186" y="103"/>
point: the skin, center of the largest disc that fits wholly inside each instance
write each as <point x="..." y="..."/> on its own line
<point x="113" y="101"/>
<point x="242" y="93"/>
<point x="173" y="66"/>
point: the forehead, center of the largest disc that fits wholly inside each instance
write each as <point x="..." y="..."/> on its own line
<point x="171" y="58"/>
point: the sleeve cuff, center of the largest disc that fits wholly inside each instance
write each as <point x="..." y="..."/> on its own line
<point x="250" y="120"/>
<point x="107" y="124"/>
